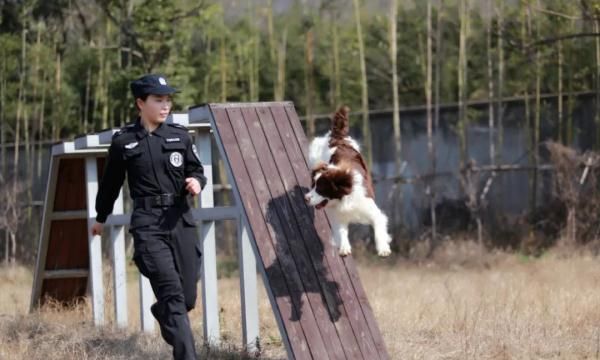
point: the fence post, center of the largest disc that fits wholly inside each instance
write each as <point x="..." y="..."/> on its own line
<point x="210" y="305"/>
<point x="117" y="234"/>
<point x="249" y="296"/>
<point x="94" y="241"/>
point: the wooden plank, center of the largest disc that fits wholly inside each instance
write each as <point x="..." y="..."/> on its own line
<point x="324" y="229"/>
<point x="337" y="297"/>
<point x="282" y="238"/>
<point x="291" y="332"/>
<point x="244" y="219"/>
<point x="300" y="171"/>
<point x="308" y="261"/>
<point x="67" y="245"/>
<point x="70" y="189"/>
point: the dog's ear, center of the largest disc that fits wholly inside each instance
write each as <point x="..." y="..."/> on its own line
<point x="341" y="180"/>
<point x="321" y="166"/>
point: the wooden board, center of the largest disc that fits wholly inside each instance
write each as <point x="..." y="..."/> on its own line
<point x="317" y="295"/>
<point x="67" y="245"/>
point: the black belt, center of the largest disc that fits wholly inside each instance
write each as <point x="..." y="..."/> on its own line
<point x="162" y="200"/>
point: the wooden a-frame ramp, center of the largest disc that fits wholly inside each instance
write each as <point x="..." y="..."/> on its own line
<point x="319" y="303"/>
<point x="321" y="307"/>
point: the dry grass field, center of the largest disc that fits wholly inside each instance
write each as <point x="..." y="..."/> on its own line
<point x="460" y="305"/>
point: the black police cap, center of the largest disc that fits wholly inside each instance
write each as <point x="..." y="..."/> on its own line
<point x="151" y="84"/>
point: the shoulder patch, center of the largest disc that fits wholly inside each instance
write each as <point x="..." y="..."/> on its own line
<point x="123" y="130"/>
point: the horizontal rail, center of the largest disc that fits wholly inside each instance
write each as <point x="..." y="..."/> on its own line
<point x="66" y="273"/>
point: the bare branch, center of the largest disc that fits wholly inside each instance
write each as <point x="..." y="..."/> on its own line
<point x="556" y="13"/>
<point x="560" y="38"/>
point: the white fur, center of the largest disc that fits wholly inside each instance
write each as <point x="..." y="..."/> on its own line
<point x="355" y="207"/>
<point x="312" y="197"/>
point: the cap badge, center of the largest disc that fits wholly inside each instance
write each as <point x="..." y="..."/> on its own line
<point x="162" y="81"/>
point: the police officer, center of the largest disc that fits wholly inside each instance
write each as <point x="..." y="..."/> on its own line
<point x="163" y="168"/>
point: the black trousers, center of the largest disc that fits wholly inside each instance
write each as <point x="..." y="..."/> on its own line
<point x="167" y="252"/>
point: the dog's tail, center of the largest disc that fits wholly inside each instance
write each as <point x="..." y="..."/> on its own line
<point x="339" y="124"/>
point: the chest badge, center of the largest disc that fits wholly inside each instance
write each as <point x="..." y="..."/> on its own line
<point x="131" y="145"/>
<point x="176" y="159"/>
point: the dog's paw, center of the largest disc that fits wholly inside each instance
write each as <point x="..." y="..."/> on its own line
<point x="345" y="250"/>
<point x="384" y="251"/>
<point x="384" y="238"/>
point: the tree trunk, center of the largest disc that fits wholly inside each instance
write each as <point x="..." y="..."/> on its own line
<point x="430" y="144"/>
<point x="56" y="99"/>
<point x="490" y="71"/>
<point x="337" y="94"/>
<point x="479" y="229"/>
<point x="571" y="225"/>
<point x="560" y="93"/>
<point x="41" y="125"/>
<point x="223" y="69"/>
<point x="393" y="58"/>
<point x="86" y="106"/>
<point x="538" y="109"/>
<point x="256" y="64"/>
<point x="206" y="93"/>
<point x="462" y="82"/>
<point x="308" y="83"/>
<point x="570" y="97"/>
<point x="3" y="118"/>
<point x="277" y="93"/>
<point x="366" y="130"/>
<point x="281" y="59"/>
<point x="6" y="248"/>
<point x="438" y="57"/>
<point x="525" y="36"/>
<point x="428" y="85"/>
<point x="500" y="92"/>
<point x="13" y="248"/>
<point x="97" y="98"/>
<point x="597" y="115"/>
<point x="105" y="81"/>
<point x="20" y="100"/>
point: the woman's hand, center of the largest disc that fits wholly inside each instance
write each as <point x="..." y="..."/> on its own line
<point x="97" y="228"/>
<point x="192" y="186"/>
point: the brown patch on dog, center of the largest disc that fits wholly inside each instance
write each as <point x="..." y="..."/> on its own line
<point x="320" y="167"/>
<point x="346" y="157"/>
<point x="334" y="183"/>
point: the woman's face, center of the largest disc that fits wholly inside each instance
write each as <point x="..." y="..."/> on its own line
<point x="156" y="108"/>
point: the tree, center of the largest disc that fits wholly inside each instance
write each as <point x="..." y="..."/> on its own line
<point x="364" y="86"/>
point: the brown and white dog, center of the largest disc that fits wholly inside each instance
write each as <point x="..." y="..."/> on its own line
<point x="342" y="182"/>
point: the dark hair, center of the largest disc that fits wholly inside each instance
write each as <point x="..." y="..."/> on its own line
<point x="143" y="97"/>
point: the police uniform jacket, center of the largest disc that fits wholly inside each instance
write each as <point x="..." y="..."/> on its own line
<point x="156" y="163"/>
